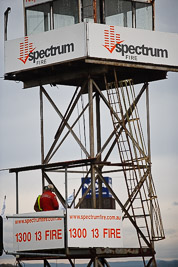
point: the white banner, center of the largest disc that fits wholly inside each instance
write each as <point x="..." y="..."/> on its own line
<point x="40" y="50"/>
<point x="38" y="233"/>
<point x="91" y="40"/>
<point x="94" y="228"/>
<point x="132" y="45"/>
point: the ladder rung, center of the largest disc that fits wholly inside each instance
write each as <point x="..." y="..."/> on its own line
<point x="135" y="119"/>
<point x="129" y="161"/>
<point x="143" y="158"/>
<point x="135" y="160"/>
<point x="140" y="216"/>
<point x="113" y="93"/>
<point x="153" y="197"/>
<point x="111" y="103"/>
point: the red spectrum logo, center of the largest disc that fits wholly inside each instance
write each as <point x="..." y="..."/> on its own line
<point x="25" y="49"/>
<point x="111" y="39"/>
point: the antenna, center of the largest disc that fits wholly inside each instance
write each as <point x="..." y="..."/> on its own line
<point x="6" y="14"/>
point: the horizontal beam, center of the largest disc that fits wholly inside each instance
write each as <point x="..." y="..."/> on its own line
<point x="54" y="165"/>
<point x="75" y="72"/>
<point x="131" y="65"/>
<point x="86" y="253"/>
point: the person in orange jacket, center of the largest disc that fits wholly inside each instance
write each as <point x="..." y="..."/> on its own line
<point x="47" y="201"/>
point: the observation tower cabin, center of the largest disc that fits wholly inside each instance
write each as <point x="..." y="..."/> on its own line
<point x="67" y="40"/>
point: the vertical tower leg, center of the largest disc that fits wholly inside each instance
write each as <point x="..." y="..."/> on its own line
<point x="42" y="133"/>
<point x="98" y="128"/>
<point x="153" y="260"/>
<point x="91" y="129"/>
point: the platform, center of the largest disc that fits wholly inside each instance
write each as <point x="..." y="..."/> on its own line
<point x="69" y="55"/>
<point x="75" y="72"/>
<point x="85" y="253"/>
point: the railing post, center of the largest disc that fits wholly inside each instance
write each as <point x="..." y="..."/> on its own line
<point x="17" y="193"/>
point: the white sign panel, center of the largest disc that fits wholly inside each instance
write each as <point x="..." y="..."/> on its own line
<point x="94" y="228"/>
<point x="132" y="45"/>
<point x="38" y="233"/>
<point x="40" y="50"/>
<point x="91" y="40"/>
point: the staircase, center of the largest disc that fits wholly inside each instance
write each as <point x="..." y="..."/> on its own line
<point x="142" y="203"/>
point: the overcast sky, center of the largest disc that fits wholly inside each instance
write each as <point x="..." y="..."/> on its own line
<point x="20" y="132"/>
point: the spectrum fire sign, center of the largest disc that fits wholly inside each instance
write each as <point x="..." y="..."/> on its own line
<point x="91" y="40"/>
<point x="44" y="49"/>
<point x="94" y="228"/>
<point x="132" y="45"/>
<point x="38" y="233"/>
<point x="85" y="228"/>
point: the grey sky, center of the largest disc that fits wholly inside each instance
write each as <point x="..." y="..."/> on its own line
<point x="20" y="132"/>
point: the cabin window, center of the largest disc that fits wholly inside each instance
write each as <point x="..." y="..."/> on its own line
<point x="53" y="14"/>
<point x="38" y="18"/>
<point x="144" y="16"/>
<point x="118" y="13"/>
<point x="65" y="13"/>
